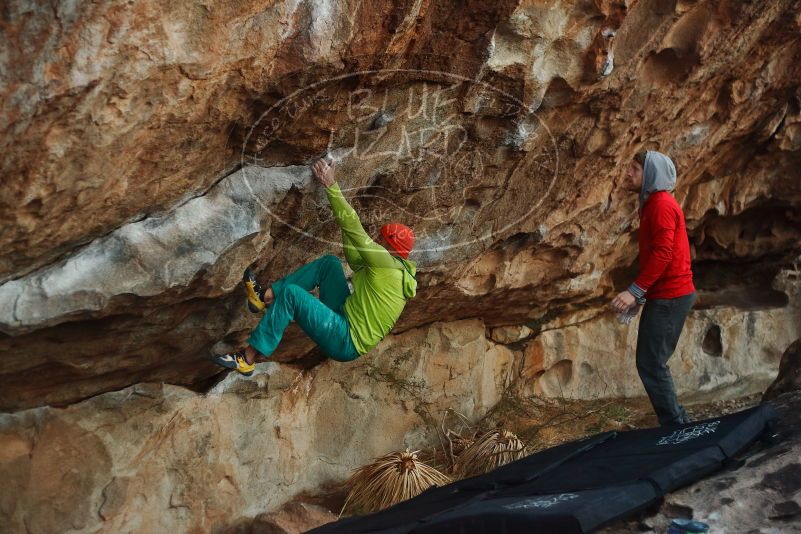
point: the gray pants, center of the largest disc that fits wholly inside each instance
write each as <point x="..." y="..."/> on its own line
<point x="660" y="327"/>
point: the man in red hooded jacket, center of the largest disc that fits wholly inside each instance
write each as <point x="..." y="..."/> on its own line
<point x="664" y="284"/>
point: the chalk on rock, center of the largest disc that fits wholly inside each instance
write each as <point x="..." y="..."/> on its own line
<point x="381" y="120"/>
<point x="608" y="65"/>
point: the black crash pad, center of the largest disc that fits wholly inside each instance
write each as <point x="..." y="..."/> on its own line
<point x="575" y="487"/>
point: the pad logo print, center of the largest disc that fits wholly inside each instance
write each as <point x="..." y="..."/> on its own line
<point x="542" y="502"/>
<point x="686" y="434"/>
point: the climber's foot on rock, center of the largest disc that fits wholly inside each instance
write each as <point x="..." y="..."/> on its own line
<point x="257" y="301"/>
<point x="235" y="360"/>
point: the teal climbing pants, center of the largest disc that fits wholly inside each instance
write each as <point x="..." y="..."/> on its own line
<point x="322" y="319"/>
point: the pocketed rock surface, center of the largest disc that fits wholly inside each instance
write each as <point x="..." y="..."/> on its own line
<point x="161" y="458"/>
<point x="151" y="152"/>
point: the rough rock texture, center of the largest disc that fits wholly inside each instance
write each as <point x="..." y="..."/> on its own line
<point x="723" y="351"/>
<point x="130" y="129"/>
<point x="161" y="458"/>
<point x="761" y="495"/>
<point x="261" y="441"/>
<point x="789" y="377"/>
<point x="294" y="518"/>
<point x="151" y="152"/>
<point x="156" y="255"/>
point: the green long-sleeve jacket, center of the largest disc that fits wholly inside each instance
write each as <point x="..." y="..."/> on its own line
<point x="382" y="283"/>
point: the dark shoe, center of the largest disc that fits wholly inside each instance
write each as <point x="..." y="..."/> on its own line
<point x="235" y="360"/>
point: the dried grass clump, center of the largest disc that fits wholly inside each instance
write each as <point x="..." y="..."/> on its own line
<point x="456" y="442"/>
<point x="459" y="444"/>
<point x="390" y="479"/>
<point x="489" y="451"/>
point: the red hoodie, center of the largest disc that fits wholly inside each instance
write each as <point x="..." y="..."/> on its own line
<point x="665" y="271"/>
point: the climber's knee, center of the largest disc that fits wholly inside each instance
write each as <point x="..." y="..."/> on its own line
<point x="330" y="259"/>
<point x="289" y="292"/>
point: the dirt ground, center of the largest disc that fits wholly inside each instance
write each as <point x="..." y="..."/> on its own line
<point x="543" y="423"/>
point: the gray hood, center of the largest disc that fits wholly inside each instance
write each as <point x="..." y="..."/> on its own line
<point x="659" y="174"/>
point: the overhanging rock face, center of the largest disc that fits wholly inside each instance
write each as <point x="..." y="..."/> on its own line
<point x="500" y="131"/>
<point x="153" y="256"/>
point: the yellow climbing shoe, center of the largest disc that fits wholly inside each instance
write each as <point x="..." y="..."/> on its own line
<point x="235" y="360"/>
<point x="254" y="291"/>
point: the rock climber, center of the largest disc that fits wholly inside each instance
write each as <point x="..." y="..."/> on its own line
<point x="345" y="325"/>
<point x="665" y="281"/>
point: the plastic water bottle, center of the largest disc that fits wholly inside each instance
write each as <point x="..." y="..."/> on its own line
<point x="687" y="526"/>
<point x="628" y="316"/>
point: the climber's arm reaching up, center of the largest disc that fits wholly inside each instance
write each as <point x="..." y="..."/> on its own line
<point x="354" y="235"/>
<point x="351" y="254"/>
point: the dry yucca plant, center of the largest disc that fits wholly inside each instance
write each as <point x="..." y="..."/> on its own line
<point x="390" y="479"/>
<point x="490" y="450"/>
<point x="456" y="442"/>
<point x="459" y="444"/>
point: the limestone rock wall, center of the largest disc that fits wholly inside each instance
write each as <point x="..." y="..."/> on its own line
<point x="158" y="458"/>
<point x="143" y="168"/>
<point x="151" y="152"/>
<point x="722" y="353"/>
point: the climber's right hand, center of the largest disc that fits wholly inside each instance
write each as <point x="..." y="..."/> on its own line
<point x="324" y="172"/>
